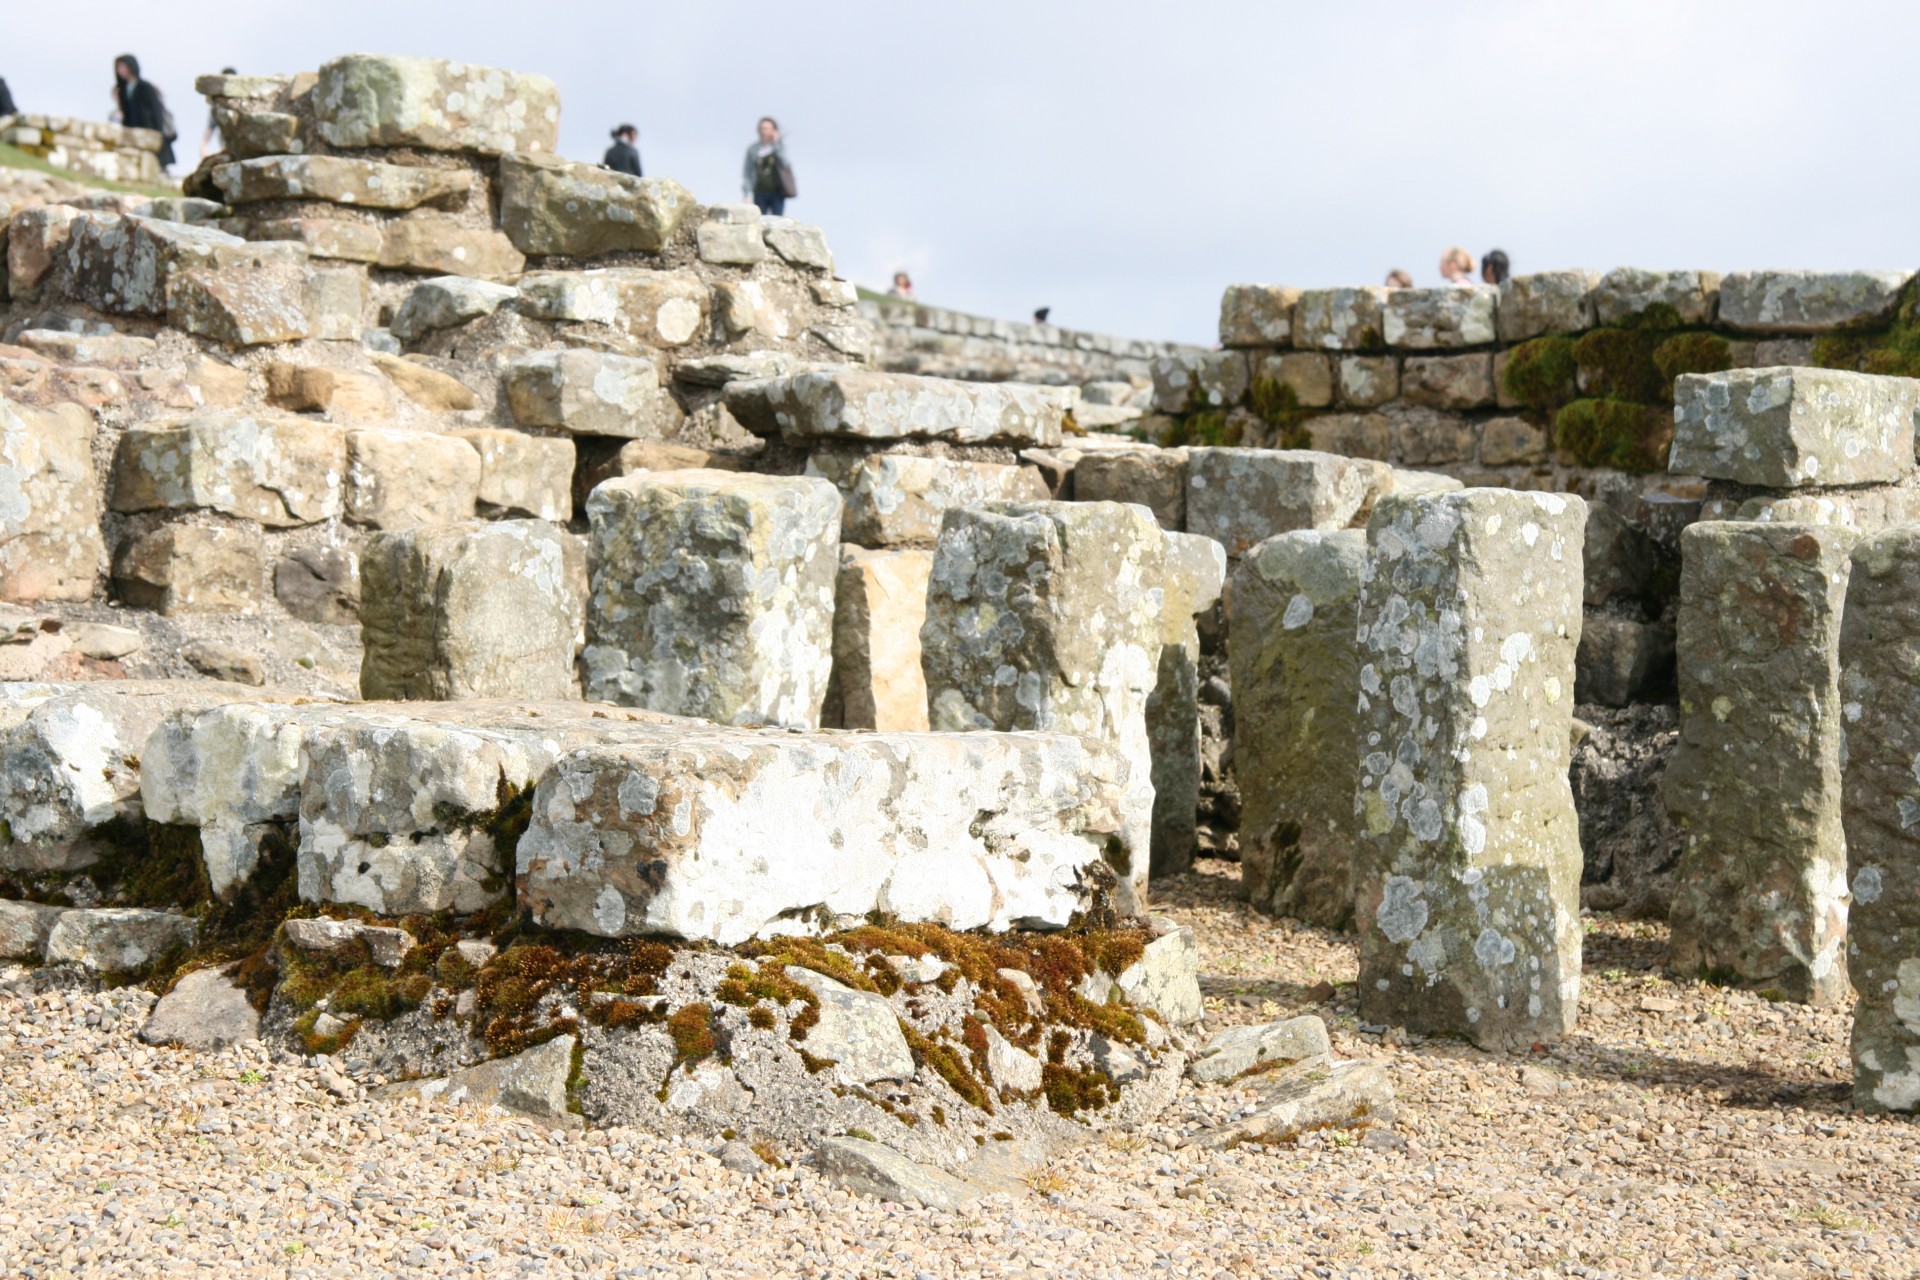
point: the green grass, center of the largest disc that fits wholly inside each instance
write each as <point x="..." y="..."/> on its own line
<point x="12" y="157"/>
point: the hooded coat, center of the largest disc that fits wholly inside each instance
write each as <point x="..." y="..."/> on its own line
<point x="141" y="107"/>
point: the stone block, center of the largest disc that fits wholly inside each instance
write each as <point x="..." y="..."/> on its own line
<point x="1666" y="297"/>
<point x="1240" y="497"/>
<point x="1340" y="319"/>
<point x="1048" y="616"/>
<point x="659" y="308"/>
<point x="365" y="184"/>
<point x="590" y="393"/>
<point x="1448" y="382"/>
<point x="482" y="609"/>
<point x="1351" y="435"/>
<point x="274" y="469"/>
<point x="441" y="244"/>
<point x="1506" y="442"/>
<point x="1467" y="872"/>
<point x="36" y="239"/>
<point x="553" y="206"/>
<point x="242" y="306"/>
<point x="894" y="500"/>
<point x="1426" y="437"/>
<point x="1867" y="509"/>
<point x="380" y="100"/>
<point x="333" y="238"/>
<point x="119" y="941"/>
<point x="405" y="479"/>
<point x="1808" y="301"/>
<point x="1429" y="319"/>
<point x="122" y="265"/>
<point x="1233" y="1051"/>
<point x="523" y="475"/>
<point x="1622" y="660"/>
<point x="1546" y="302"/>
<point x="319" y="584"/>
<point x="1308" y="374"/>
<point x="50" y="545"/>
<point x="1195" y="573"/>
<point x="1196" y="383"/>
<point x="1760" y="892"/>
<point x="731" y="236"/>
<point x="856" y="405"/>
<point x="24" y="927"/>
<point x="342" y="394"/>
<point x="424" y="385"/>
<point x="1257" y="315"/>
<point x="712" y="595"/>
<point x="1154" y="478"/>
<point x="1296" y="729"/>
<point x="799" y="244"/>
<point x="1791" y="428"/>
<point x="880" y="604"/>
<point x="447" y="302"/>
<point x="183" y="568"/>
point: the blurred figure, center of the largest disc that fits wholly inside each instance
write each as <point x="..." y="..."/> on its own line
<point x="768" y="177"/>
<point x="1399" y="279"/>
<point x="624" y="156"/>
<point x="211" y="141"/>
<point x="6" y="99"/>
<point x="1456" y="267"/>
<point x="1493" y="267"/>
<point x="1040" y="314"/>
<point x="902" y="286"/>
<point x="138" y="105"/>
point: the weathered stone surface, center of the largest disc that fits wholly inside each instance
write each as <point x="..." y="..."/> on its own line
<point x="50" y="545"/>
<point x="1257" y="315"/>
<point x="856" y="405"/>
<point x="319" y="584"/>
<point x="1669" y="297"/>
<point x="659" y="308"/>
<point x="858" y="1031"/>
<point x="1546" y="302"/>
<point x="1761" y="890"/>
<point x="1426" y="319"/>
<point x="1787" y="428"/>
<point x="675" y="836"/>
<point x="177" y="569"/>
<point x="367" y="184"/>
<point x="731" y="236"/>
<point x="1808" y="301"/>
<point x="35" y="240"/>
<point x="880" y="604"/>
<point x="712" y="595"/>
<point x="1507" y="441"/>
<point x="1165" y="980"/>
<point x="118" y="940"/>
<point x="342" y="394"/>
<point x="894" y="500"/>
<point x="1191" y="383"/>
<point x="1154" y="478"/>
<point x="446" y="302"/>
<point x="123" y="265"/>
<point x="442" y="244"/>
<point x="1620" y="561"/>
<point x="1334" y="1095"/>
<point x="480" y="609"/>
<point x="219" y="660"/>
<point x="1240" y="497"/>
<point x="1307" y="374"/>
<point x="332" y="238"/>
<point x="1448" y="382"/>
<point x="553" y="206"/>
<point x="1340" y="319"/>
<point x="1868" y="508"/>
<point x="1296" y="689"/>
<point x="249" y="306"/>
<point x="1195" y="573"/>
<point x="386" y="945"/>
<point x="523" y="475"/>
<point x="870" y="1169"/>
<point x="1367" y="381"/>
<point x="204" y="1012"/>
<point x="1049" y="616"/>
<point x="407" y="479"/>
<point x="799" y="243"/>
<point x="590" y="393"/>
<point x="269" y="468"/>
<point x="1621" y="659"/>
<point x="1351" y="435"/>
<point x="24" y="927"/>
<point x="425" y="386"/>
<point x="532" y="1082"/>
<point x="1467" y="872"/>
<point x="379" y="100"/>
<point x="1234" y="1051"/>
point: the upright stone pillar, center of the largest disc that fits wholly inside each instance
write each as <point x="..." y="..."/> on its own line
<point x="1760" y="893"/>
<point x="1467" y="873"/>
<point x="1049" y="616"/>
<point x="1296" y="729"/>
<point x="879" y="608"/>
<point x="1880" y="808"/>
<point x="1196" y="571"/>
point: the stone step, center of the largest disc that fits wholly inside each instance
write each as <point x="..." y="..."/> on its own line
<point x="850" y="404"/>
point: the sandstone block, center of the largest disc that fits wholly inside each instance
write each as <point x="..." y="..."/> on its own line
<point x="855" y="405"/>
<point x="447" y="302"/>
<point x="1425" y="319"/>
<point x="1808" y="301"/>
<point x="590" y="393"/>
<point x="1788" y="428"/>
<point x="1426" y="437"/>
<point x="799" y="244"/>
<point x="1546" y="302"/>
<point x="1307" y="374"/>
<point x="379" y="100"/>
<point x="1367" y="381"/>
<point x="441" y="244"/>
<point x="1448" y="382"/>
<point x="241" y="306"/>
<point x="893" y="500"/>
<point x="1257" y="315"/>
<point x="1508" y="441"/>
<point x="731" y="236"/>
<point x="180" y="568"/>
<point x="1340" y="319"/>
<point x="1195" y="573"/>
<point x="343" y="394"/>
<point x="323" y="237"/>
<point x="36" y="238"/>
<point x="659" y="308"/>
<point x="1192" y="383"/>
<point x="1240" y="497"/>
<point x="1670" y="297"/>
<point x="553" y="206"/>
<point x="403" y="479"/>
<point x="50" y="545"/>
<point x="274" y="469"/>
<point x="122" y="265"/>
<point x="880" y="604"/>
<point x="367" y="184"/>
<point x="424" y="385"/>
<point x="1154" y="478"/>
<point x="523" y="475"/>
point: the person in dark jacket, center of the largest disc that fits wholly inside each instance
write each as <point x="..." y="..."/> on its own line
<point x="764" y="178"/>
<point x="623" y="156"/>
<point x="6" y="100"/>
<point x="140" y="105"/>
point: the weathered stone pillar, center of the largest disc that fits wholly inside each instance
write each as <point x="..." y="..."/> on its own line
<point x="879" y="608"/>
<point x="1760" y="893"/>
<point x="1467" y="874"/>
<point x="1048" y="616"/>
<point x="1196" y="571"/>
<point x="1296" y="730"/>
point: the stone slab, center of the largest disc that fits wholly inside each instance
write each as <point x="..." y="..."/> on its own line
<point x="1808" y="301"/>
<point x="1787" y="428"/>
<point x="1241" y="497"/>
<point x="898" y="500"/>
<point x="854" y="405"/>
<point x="381" y="100"/>
<point x="50" y="543"/>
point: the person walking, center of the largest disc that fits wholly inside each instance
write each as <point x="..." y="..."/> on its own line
<point x="767" y="178"/>
<point x="6" y="99"/>
<point x="623" y="156"/>
<point x="140" y="106"/>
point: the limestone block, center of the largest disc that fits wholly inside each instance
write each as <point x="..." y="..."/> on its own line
<point x="1790" y="428"/>
<point x="880" y="604"/>
<point x="1670" y="297"/>
<point x="1760" y="892"/>
<point x="270" y="468"/>
<point x="1193" y="383"/>
<point x="481" y="609"/>
<point x="523" y="475"/>
<point x="1154" y="478"/>
<point x="380" y="100"/>
<point x="241" y="306"/>
<point x="1448" y="382"/>
<point x="553" y="206"/>
<point x="856" y="405"/>
<point x="447" y="302"/>
<point x="1426" y="319"/>
<point x="590" y="393"/>
<point x="1195" y="573"/>
<point x="659" y="308"/>
<point x="1367" y="381"/>
<point x="1049" y="616"/>
<point x="180" y="568"/>
<point x="1257" y="315"/>
<point x="404" y="479"/>
<point x="894" y="500"/>
<point x="50" y="545"/>
<point x="973" y="831"/>
<point x="1340" y="319"/>
<point x="366" y="184"/>
<point x="119" y="940"/>
<point x="712" y="595"/>
<point x="731" y="236"/>
<point x="1546" y="302"/>
<point x="122" y="265"/>
<point x="1808" y="301"/>
<point x="1240" y="497"/>
<point x="799" y="244"/>
<point x="1467" y="872"/>
<point x="441" y="244"/>
<point x="1296" y="728"/>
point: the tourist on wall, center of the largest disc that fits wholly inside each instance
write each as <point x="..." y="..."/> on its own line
<point x="768" y="176"/>
<point x="138" y="105"/>
<point x="1399" y="279"/>
<point x="1456" y="267"/>
<point x="6" y="99"/>
<point x="902" y="286"/>
<point x="624" y="156"/>
<point x="1493" y="267"/>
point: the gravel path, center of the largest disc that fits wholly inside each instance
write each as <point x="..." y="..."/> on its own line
<point x="1682" y="1131"/>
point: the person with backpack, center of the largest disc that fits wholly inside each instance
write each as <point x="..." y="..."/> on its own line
<point x="6" y="99"/>
<point x="140" y="106"/>
<point x="624" y="156"/>
<point x="768" y="177"/>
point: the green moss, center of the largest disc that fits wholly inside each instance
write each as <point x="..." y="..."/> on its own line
<point x="1692" y="353"/>
<point x="313" y="1042"/>
<point x="1614" y="433"/>
<point x="1658" y="315"/>
<point x="949" y="1062"/>
<point x="1209" y="427"/>
<point x="1892" y="348"/>
<point x="1069" y="1091"/>
<point x="761" y="1018"/>
<point x="1618" y="364"/>
<point x="1278" y="405"/>
<point x="1540" y="373"/>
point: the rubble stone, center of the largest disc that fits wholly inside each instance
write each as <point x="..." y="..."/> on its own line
<point x="319" y="584"/>
<point x="118" y="940"/>
<point x="427" y="387"/>
<point x="1233" y="1051"/>
<point x="1621" y="659"/>
<point x="1808" y="301"/>
<point x="1425" y="319"/>
<point x="523" y="475"/>
<point x="378" y="100"/>
<point x="590" y="393"/>
<point x="858" y="1031"/>
<point x="1546" y="302"/>
<point x="204" y="1012"/>
<point x="447" y="302"/>
<point x="405" y="479"/>
<point x="1257" y="315"/>
<point x="880" y="604"/>
<point x="123" y="265"/>
<point x="1368" y="381"/>
<point x="50" y="544"/>
<point x="870" y="1169"/>
<point x="1240" y="497"/>
<point x="659" y="308"/>
<point x="554" y="206"/>
<point x="177" y="569"/>
<point x="273" y="469"/>
<point x="24" y="927"/>
<point x="1154" y="478"/>
<point x="1307" y="374"/>
<point x="894" y="500"/>
<point x="1787" y="428"/>
<point x="1448" y="382"/>
<point x="857" y="405"/>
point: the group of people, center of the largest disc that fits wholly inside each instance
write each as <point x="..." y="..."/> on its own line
<point x="1456" y="268"/>
<point x="766" y="178"/>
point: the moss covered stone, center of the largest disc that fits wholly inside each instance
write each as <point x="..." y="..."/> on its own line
<point x="1540" y="373"/>
<point x="1692" y="353"/>
<point x="1614" y="433"/>
<point x="1618" y="363"/>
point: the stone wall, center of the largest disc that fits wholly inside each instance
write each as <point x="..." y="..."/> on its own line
<point x="952" y="344"/>
<point x="92" y="147"/>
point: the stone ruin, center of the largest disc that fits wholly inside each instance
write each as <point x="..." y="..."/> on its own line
<point x="91" y="147"/>
<point x="492" y="623"/>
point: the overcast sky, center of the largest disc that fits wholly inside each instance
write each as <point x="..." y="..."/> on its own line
<point x="1122" y="162"/>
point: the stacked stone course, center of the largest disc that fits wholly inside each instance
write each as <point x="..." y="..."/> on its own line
<point x="92" y="147"/>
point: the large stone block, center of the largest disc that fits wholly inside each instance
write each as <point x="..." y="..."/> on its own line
<point x="1448" y="382"/>
<point x="523" y="475"/>
<point x="1546" y="302"/>
<point x="446" y="302"/>
<point x="483" y="609"/>
<point x="1426" y="319"/>
<point x="271" y="468"/>
<point x="553" y="206"/>
<point x="366" y="184"/>
<point x="1467" y="873"/>
<point x="799" y="243"/>
<point x="590" y="393"/>
<point x="1339" y="319"/>
<point x="880" y="604"/>
<point x="1049" y="616"/>
<point x="183" y="568"/>
<point x="252" y="306"/>
<point x="1368" y="381"/>
<point x="712" y="595"/>
<point x="50" y="545"/>
<point x="1296" y="728"/>
<point x="732" y="236"/>
<point x="1240" y="497"/>
<point x="1792" y="428"/>
<point x="1195" y="573"/>
<point x="659" y="308"/>
<point x="1203" y="381"/>
<point x="1662" y="298"/>
<point x="122" y="264"/>
<point x="379" y="100"/>
<point x="1257" y="315"/>
<point x="1154" y="478"/>
<point x="403" y="479"/>
<point x="1761" y="889"/>
<point x="1808" y="301"/>
<point x="442" y="244"/>
<point x="1307" y="375"/>
<point x="855" y="405"/>
<point x="894" y="500"/>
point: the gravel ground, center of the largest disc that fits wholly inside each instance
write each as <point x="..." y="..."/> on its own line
<point x="1681" y="1131"/>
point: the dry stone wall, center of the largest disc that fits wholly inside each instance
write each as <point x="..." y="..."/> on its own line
<point x="92" y="147"/>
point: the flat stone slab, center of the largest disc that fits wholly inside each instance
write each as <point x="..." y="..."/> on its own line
<point x="367" y="184"/>
<point x="204" y="1012"/>
<point x="1332" y="1095"/>
<point x="1785" y="428"/>
<point x="379" y="100"/>
<point x="1241" y="497"/>
<point x="1808" y="301"/>
<point x="896" y="500"/>
<point x="276" y="469"/>
<point x="854" y="405"/>
<point x="118" y="940"/>
<point x="1430" y="319"/>
<point x="1234" y="1051"/>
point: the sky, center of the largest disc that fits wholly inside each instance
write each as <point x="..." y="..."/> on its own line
<point x="1123" y="162"/>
